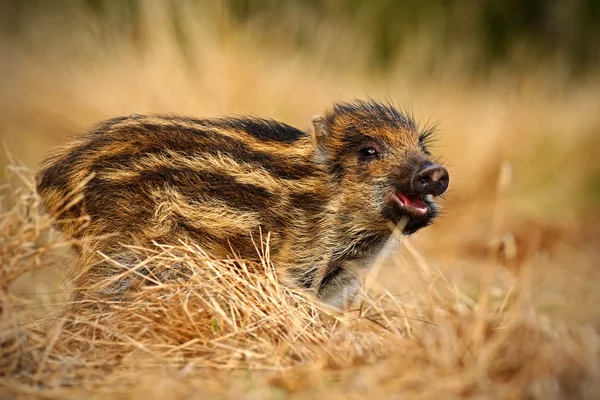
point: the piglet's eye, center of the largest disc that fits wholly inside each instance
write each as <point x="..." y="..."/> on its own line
<point x="368" y="153"/>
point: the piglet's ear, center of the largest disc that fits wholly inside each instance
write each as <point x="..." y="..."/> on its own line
<point x="320" y="130"/>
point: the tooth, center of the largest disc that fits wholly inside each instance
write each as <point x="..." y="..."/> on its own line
<point x="428" y="197"/>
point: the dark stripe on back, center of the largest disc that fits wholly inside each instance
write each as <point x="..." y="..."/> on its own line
<point x="192" y="142"/>
<point x="264" y="129"/>
<point x="56" y="175"/>
<point x="194" y="185"/>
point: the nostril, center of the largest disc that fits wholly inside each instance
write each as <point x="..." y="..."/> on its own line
<point x="433" y="179"/>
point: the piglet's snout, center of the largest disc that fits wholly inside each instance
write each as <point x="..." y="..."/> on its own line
<point x="431" y="179"/>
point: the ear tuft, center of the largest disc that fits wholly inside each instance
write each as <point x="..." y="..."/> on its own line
<point x="319" y="133"/>
<point x="319" y="128"/>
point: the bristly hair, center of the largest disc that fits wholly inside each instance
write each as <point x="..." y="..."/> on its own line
<point x="372" y="113"/>
<point x="428" y="136"/>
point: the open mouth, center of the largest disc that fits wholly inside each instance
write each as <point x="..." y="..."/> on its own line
<point x="412" y="202"/>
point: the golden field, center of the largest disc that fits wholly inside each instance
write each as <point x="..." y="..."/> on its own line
<point x="499" y="299"/>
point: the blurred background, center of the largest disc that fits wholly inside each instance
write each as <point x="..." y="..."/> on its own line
<point x="512" y="85"/>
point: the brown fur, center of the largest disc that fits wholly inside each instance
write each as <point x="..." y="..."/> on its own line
<point x="221" y="183"/>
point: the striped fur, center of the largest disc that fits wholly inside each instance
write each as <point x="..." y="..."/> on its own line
<point x="220" y="183"/>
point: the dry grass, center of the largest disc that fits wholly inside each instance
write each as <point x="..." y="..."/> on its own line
<point x="497" y="300"/>
<point x="229" y="329"/>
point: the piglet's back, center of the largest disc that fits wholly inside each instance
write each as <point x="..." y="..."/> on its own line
<point x="169" y="178"/>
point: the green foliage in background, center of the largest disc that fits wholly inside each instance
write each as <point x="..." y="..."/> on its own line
<point x="568" y="29"/>
<point x="511" y="33"/>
